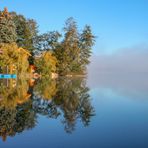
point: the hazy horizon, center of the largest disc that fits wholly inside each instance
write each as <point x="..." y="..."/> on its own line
<point x="127" y="60"/>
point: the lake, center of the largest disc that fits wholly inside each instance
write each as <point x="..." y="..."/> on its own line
<point x="104" y="110"/>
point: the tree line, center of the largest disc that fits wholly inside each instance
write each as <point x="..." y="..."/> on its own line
<point x="65" y="52"/>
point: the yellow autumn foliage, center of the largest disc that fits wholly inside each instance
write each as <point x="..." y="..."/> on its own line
<point x="13" y="55"/>
<point x="46" y="64"/>
<point x="11" y="96"/>
<point x="46" y="88"/>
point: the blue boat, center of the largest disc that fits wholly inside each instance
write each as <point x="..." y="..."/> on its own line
<point x="8" y="76"/>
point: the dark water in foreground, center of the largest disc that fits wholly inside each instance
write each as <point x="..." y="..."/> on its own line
<point x="106" y="111"/>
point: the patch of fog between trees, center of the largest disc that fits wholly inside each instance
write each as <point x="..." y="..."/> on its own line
<point x="125" y="72"/>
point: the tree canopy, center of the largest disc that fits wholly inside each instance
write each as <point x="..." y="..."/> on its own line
<point x="7" y="27"/>
<point x="65" y="52"/>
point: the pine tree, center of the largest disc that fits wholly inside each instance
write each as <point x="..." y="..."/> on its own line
<point x="87" y="40"/>
<point x="47" y="41"/>
<point x="7" y="28"/>
<point x="67" y="53"/>
<point x="74" y="51"/>
<point x="71" y="45"/>
<point x="26" y="30"/>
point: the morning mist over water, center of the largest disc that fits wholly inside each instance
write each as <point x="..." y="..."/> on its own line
<point x="125" y="72"/>
<point x="126" y="60"/>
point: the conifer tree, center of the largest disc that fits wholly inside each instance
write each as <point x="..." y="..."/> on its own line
<point x="74" y="51"/>
<point x="26" y="30"/>
<point x="87" y="40"/>
<point x="68" y="51"/>
<point x="7" y="28"/>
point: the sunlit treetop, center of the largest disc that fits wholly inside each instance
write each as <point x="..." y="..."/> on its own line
<point x="7" y="28"/>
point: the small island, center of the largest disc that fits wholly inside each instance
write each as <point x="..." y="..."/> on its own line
<point x="25" y="52"/>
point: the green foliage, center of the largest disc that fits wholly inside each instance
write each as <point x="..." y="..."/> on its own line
<point x="70" y="48"/>
<point x="7" y="28"/>
<point x="74" y="51"/>
<point x="26" y="30"/>
<point x="70" y="54"/>
<point x="87" y="40"/>
<point x="67" y="52"/>
<point x="47" y="41"/>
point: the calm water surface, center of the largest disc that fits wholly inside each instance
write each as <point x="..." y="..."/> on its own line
<point x="104" y="110"/>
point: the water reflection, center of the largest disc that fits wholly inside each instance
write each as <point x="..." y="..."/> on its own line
<point x="64" y="98"/>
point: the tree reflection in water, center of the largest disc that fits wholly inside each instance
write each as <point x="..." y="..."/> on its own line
<point x="66" y="97"/>
<point x="16" y="114"/>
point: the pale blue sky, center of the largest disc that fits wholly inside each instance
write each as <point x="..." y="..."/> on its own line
<point x="117" y="23"/>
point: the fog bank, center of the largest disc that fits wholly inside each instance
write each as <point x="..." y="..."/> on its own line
<point x="125" y="72"/>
